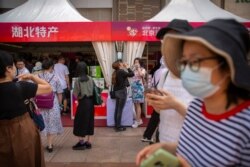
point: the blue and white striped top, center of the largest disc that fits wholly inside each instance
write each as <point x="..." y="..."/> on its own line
<point x="208" y="140"/>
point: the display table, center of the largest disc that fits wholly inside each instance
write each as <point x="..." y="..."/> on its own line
<point x="107" y="109"/>
<point x="127" y="114"/>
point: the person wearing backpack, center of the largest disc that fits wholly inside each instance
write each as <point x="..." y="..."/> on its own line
<point x="51" y="116"/>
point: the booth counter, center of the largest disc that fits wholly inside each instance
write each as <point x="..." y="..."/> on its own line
<point x="100" y="110"/>
<point x="106" y="110"/>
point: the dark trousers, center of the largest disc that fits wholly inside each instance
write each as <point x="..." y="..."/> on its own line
<point x="152" y="125"/>
<point x="121" y="98"/>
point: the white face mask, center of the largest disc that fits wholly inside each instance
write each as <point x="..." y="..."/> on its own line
<point x="199" y="83"/>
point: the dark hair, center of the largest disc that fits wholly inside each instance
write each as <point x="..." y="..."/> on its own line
<point x="20" y="60"/>
<point x="140" y="61"/>
<point x="60" y="57"/>
<point x="115" y="66"/>
<point x="6" y="60"/>
<point x="82" y="71"/>
<point x="47" y="63"/>
<point x="233" y="92"/>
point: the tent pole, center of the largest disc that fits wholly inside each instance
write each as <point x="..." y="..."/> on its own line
<point x="222" y="4"/>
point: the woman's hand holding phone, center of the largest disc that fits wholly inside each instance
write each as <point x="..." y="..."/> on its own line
<point x="147" y="151"/>
<point x="146" y="156"/>
<point x="153" y="91"/>
<point x="161" y="100"/>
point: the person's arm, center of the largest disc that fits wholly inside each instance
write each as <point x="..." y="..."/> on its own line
<point x="147" y="151"/>
<point x="59" y="96"/>
<point x="66" y="74"/>
<point x="76" y="88"/>
<point x="59" y="90"/>
<point x="166" y="101"/>
<point x="142" y="72"/>
<point x="67" y="81"/>
<point x="130" y="73"/>
<point x="43" y="86"/>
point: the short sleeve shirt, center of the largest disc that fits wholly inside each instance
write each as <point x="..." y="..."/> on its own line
<point x="61" y="71"/>
<point x="12" y="98"/>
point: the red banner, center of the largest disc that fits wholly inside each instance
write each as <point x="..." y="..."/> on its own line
<point x="55" y="32"/>
<point x="82" y="31"/>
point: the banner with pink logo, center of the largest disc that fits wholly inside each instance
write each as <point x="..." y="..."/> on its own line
<point x="83" y="31"/>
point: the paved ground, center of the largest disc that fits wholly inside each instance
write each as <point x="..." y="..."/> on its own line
<point x="110" y="149"/>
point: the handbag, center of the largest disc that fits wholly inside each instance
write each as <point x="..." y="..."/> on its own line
<point x="35" y="113"/>
<point x="97" y="95"/>
<point x="45" y="101"/>
<point x="112" y="92"/>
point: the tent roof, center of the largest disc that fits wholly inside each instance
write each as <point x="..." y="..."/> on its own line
<point x="43" y="11"/>
<point x="193" y="11"/>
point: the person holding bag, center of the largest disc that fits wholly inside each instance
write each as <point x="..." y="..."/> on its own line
<point x="84" y="118"/>
<point x="51" y="116"/>
<point x="20" y="143"/>
<point x="120" y="83"/>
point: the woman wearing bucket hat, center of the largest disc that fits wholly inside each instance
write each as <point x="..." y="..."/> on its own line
<point x="212" y="63"/>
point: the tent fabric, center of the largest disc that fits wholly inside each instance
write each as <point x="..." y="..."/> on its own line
<point x="191" y="10"/>
<point x="104" y="54"/>
<point x="43" y="11"/>
<point x="58" y="11"/>
<point x="133" y="50"/>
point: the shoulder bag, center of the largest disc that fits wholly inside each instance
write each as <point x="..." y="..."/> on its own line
<point x="45" y="101"/>
<point x="33" y="110"/>
<point x="112" y="92"/>
<point x="97" y="95"/>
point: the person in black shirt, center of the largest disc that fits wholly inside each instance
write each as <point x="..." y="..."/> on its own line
<point x="20" y="143"/>
<point x="120" y="83"/>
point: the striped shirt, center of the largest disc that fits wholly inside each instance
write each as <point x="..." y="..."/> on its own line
<point x="208" y="140"/>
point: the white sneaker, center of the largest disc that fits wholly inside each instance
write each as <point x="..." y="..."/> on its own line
<point x="137" y="123"/>
<point x="144" y="139"/>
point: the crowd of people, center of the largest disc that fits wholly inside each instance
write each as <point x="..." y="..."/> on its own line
<point x="201" y="100"/>
<point x="200" y="95"/>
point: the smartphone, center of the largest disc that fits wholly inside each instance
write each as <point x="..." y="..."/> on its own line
<point x="161" y="158"/>
<point x="153" y="91"/>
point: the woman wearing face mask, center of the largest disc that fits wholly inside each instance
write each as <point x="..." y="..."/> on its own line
<point x="212" y="63"/>
<point x="20" y="143"/>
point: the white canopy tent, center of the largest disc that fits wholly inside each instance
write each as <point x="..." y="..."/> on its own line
<point x="191" y="10"/>
<point x="59" y="11"/>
